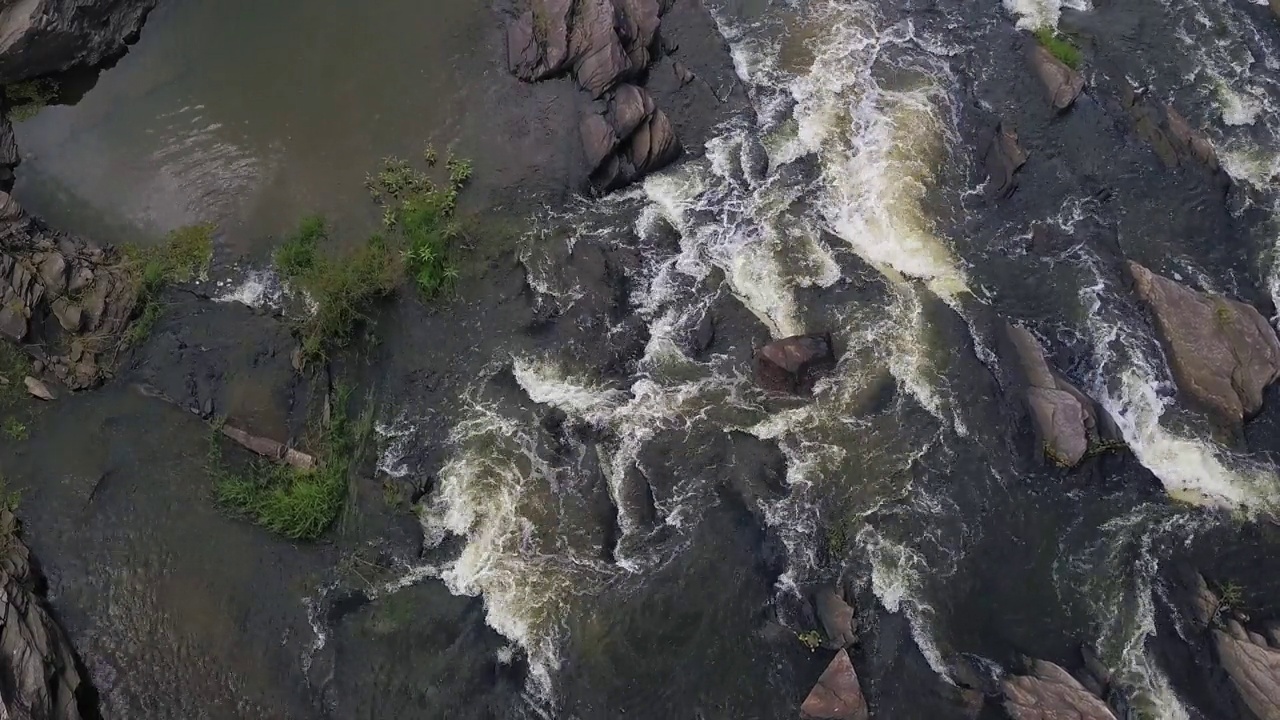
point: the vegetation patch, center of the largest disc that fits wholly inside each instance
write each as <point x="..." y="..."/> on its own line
<point x="811" y="639"/>
<point x="15" y="366"/>
<point x="340" y="289"/>
<point x="298" y="504"/>
<point x="26" y="99"/>
<point x="183" y="256"/>
<point x="1059" y="46"/>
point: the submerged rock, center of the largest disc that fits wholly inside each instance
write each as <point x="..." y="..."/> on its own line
<point x="1062" y="83"/>
<point x="1050" y="693"/>
<point x="44" y="37"/>
<point x="1168" y="133"/>
<point x="837" y="618"/>
<point x="1001" y="158"/>
<point x="1067" y="422"/>
<point x="1223" y="352"/>
<point x="39" y="674"/>
<point x="837" y="694"/>
<point x="793" y="364"/>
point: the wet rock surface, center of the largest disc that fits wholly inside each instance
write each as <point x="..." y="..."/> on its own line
<point x="837" y="694"/>
<point x="41" y="675"/>
<point x="1049" y="692"/>
<point x="793" y="364"/>
<point x="1002" y="157"/>
<point x="1222" y="351"/>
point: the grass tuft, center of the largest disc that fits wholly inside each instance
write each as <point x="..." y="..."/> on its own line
<point x="184" y="256"/>
<point x="1059" y="46"/>
<point x="297" y="504"/>
<point x="15" y="429"/>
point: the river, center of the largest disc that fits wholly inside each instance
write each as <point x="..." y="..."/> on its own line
<point x="616" y="521"/>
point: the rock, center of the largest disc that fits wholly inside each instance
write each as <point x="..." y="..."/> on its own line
<point x="1189" y="141"/>
<point x="44" y="37"/>
<point x="53" y="272"/>
<point x="37" y="388"/>
<point x="1067" y="422"/>
<point x="538" y="41"/>
<point x="38" y="667"/>
<point x="1062" y="83"/>
<point x="837" y="694"/>
<point x="1001" y="157"/>
<point x="1050" y="693"/>
<point x="631" y="139"/>
<point x="1223" y="352"/>
<point x="837" y="618"/>
<point x="629" y="107"/>
<point x="792" y="364"/>
<point x="654" y="145"/>
<point x="1254" y="670"/>
<point x="598" y="139"/>
<point x="600" y="61"/>
<point x="68" y="314"/>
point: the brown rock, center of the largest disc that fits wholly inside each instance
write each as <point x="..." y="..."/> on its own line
<point x="1254" y="670"/>
<point x="1066" y="420"/>
<point x="1223" y="352"/>
<point x="600" y="61"/>
<point x="37" y="388"/>
<point x="654" y="145"/>
<point x="1190" y="141"/>
<point x="1050" y="693"/>
<point x="538" y="41"/>
<point x="13" y="321"/>
<point x="792" y="364"/>
<point x="68" y="314"/>
<point x="598" y="139"/>
<point x="1062" y="83"/>
<point x="837" y="694"/>
<point x="837" y="618"/>
<point x="629" y="106"/>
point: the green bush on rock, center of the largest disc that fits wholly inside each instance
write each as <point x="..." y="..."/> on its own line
<point x="1059" y="46"/>
<point x="184" y="256"/>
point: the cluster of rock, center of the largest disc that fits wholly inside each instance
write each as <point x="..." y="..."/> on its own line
<point x="1249" y="658"/>
<point x="837" y="695"/>
<point x="40" y="677"/>
<point x="606" y="45"/>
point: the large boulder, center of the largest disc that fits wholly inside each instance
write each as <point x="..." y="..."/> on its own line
<point x="1223" y="352"/>
<point x="837" y="618"/>
<point x="43" y="37"/>
<point x="1062" y="84"/>
<point x="1253" y="667"/>
<point x="837" y="694"/>
<point x="1048" y="692"/>
<point x="1001" y="158"/>
<point x="793" y="364"/>
<point x="39" y="676"/>
<point x="630" y="139"/>
<point x="1067" y="422"/>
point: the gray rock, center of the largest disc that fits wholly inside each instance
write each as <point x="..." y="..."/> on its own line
<point x="1067" y="422"/>
<point x="1050" y="693"/>
<point x="38" y="667"/>
<point x="837" y="695"/>
<point x="1001" y="158"/>
<point x="837" y="618"/>
<point x="600" y="61"/>
<point x="1223" y="352"/>
<point x="1189" y="141"/>
<point x="598" y="139"/>
<point x="1062" y="84"/>
<point x="44" y="37"/>
<point x="38" y="389"/>
<point x="538" y="41"/>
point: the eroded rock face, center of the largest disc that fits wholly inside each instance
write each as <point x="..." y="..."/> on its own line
<point x="1062" y="84"/>
<point x="793" y="364"/>
<point x="43" y="37"/>
<point x="1066" y="420"/>
<point x="1223" y="352"/>
<point x="837" y="694"/>
<point x="1050" y="693"/>
<point x="39" y="676"/>
<point x="606" y="46"/>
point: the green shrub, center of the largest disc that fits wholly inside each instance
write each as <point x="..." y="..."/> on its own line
<point x="27" y="99"/>
<point x="340" y="288"/>
<point x="1059" y="46"/>
<point x="184" y="256"/>
<point x="298" y="504"/>
<point x="15" y="429"/>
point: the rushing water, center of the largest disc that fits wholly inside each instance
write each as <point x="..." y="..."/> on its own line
<point x="643" y="527"/>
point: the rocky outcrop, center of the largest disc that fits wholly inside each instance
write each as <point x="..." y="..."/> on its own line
<point x="65" y="299"/>
<point x="628" y="140"/>
<point x="1223" y="352"/>
<point x="793" y="364"/>
<point x="1168" y="133"/>
<point x="44" y="37"/>
<point x="1062" y="84"/>
<point x="40" y="678"/>
<point x="1253" y="666"/>
<point x="1067" y="422"/>
<point x="837" y="618"/>
<point x="606" y="46"/>
<point x="1001" y="158"/>
<point x="837" y="694"/>
<point x="1048" y="692"/>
